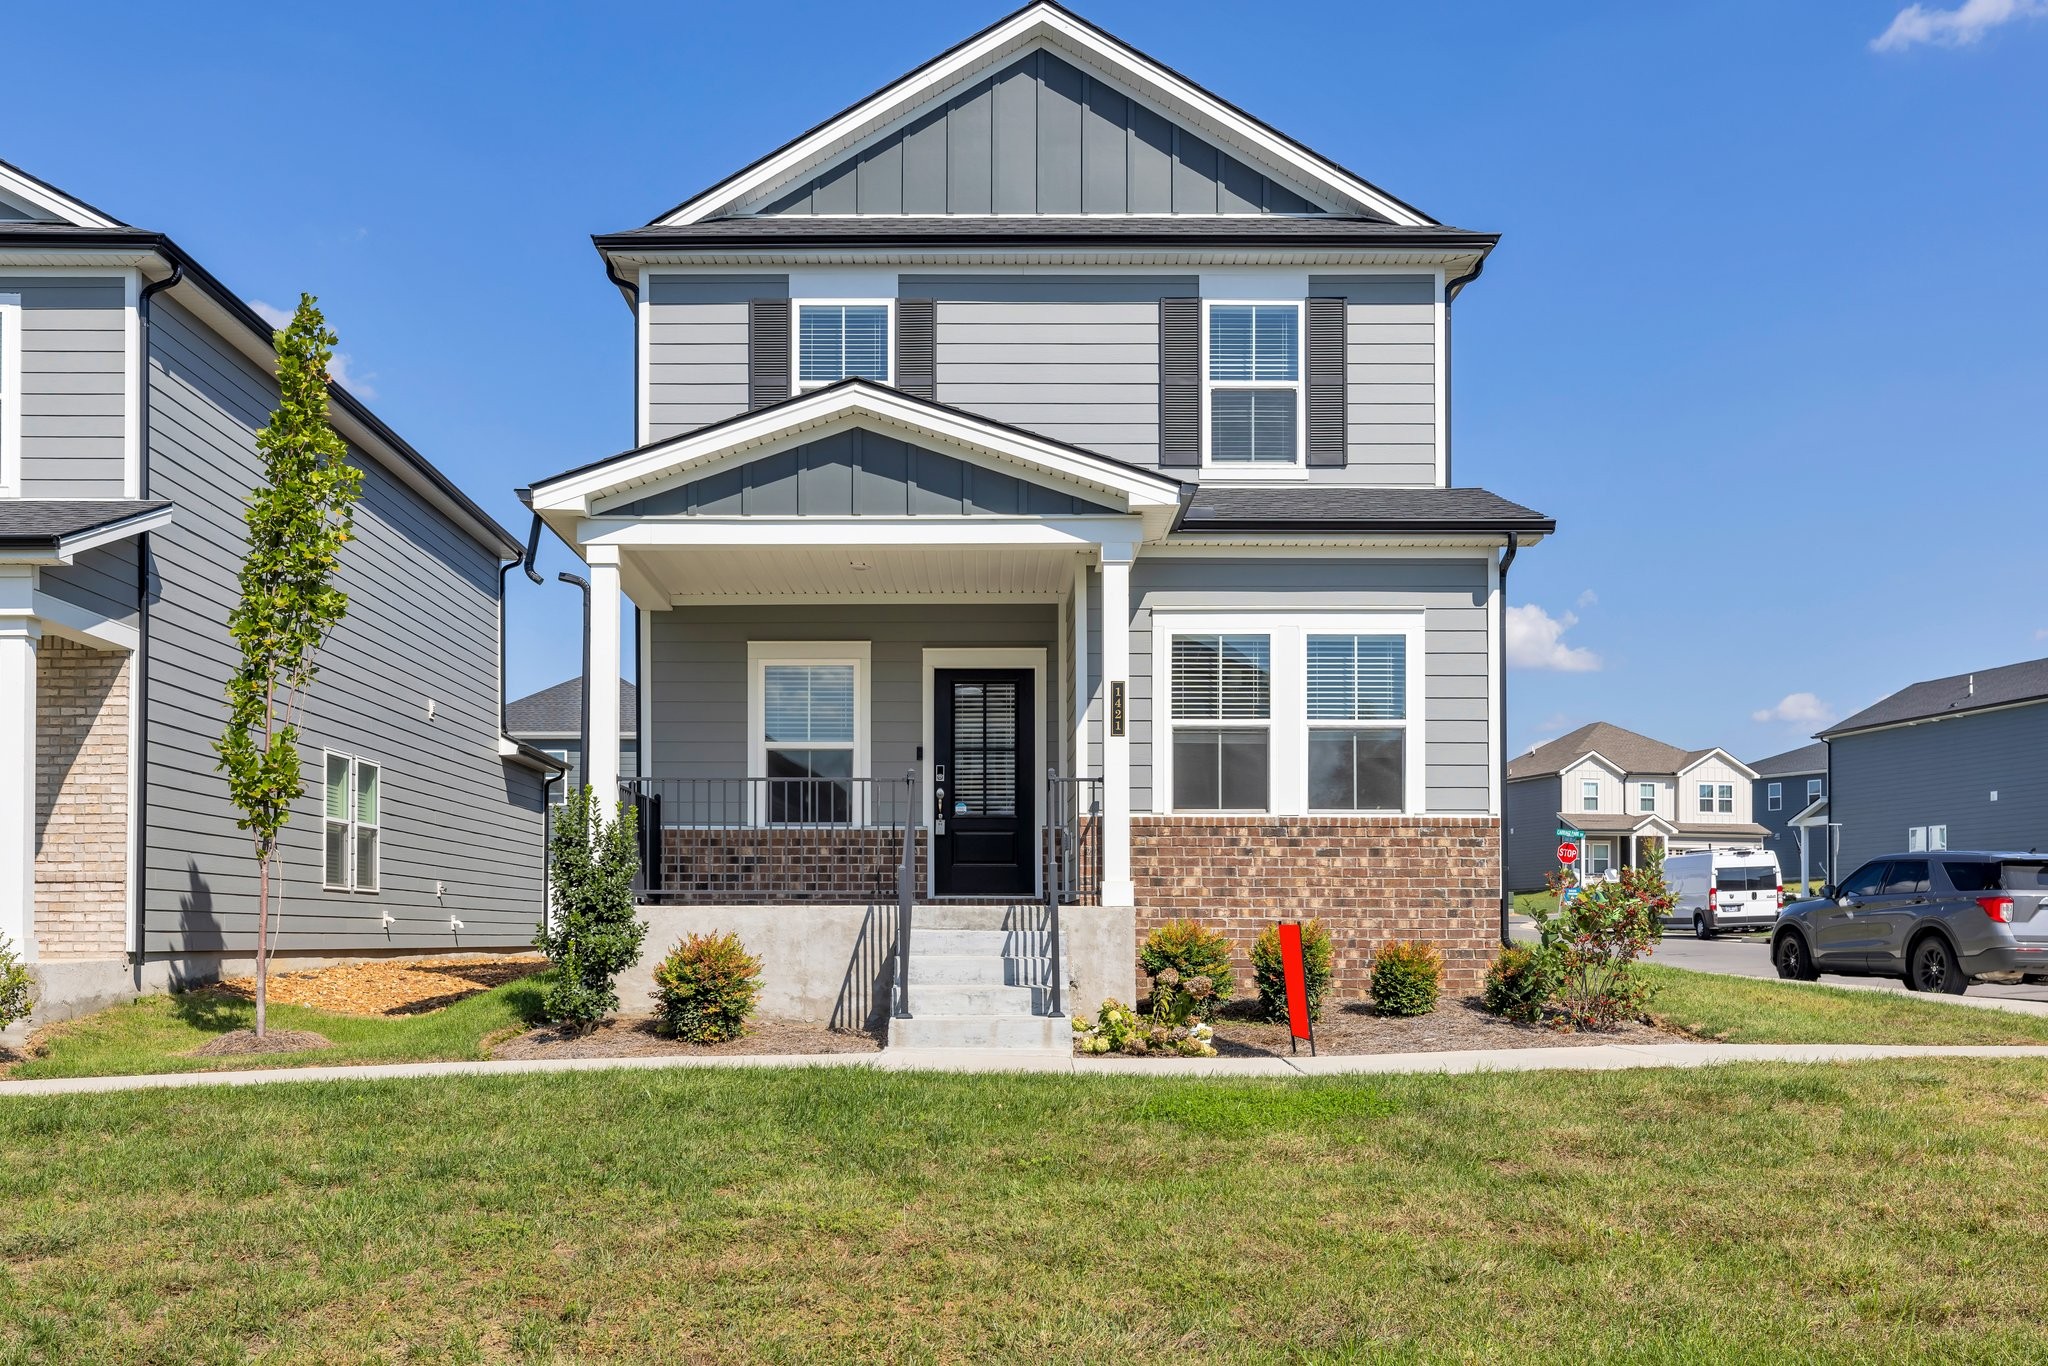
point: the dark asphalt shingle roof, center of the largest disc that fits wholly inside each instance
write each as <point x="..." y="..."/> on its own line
<point x="559" y="710"/>
<point x="35" y="523"/>
<point x="1316" y="230"/>
<point x="1939" y="697"/>
<point x="1635" y="753"/>
<point x="1811" y="758"/>
<point x="1326" y="508"/>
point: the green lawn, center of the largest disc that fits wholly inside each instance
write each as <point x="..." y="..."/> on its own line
<point x="1528" y="903"/>
<point x="153" y="1033"/>
<point x="1750" y="1010"/>
<point x="1870" y="1212"/>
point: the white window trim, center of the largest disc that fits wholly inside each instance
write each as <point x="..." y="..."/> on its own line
<point x="10" y="396"/>
<point x="1651" y="790"/>
<point x="762" y="653"/>
<point x="798" y="385"/>
<point x="1774" y="796"/>
<point x="1287" y="716"/>
<point x="1813" y="789"/>
<point x="561" y="796"/>
<point x="1593" y="796"/>
<point x="1598" y="851"/>
<point x="1252" y="469"/>
<point x="353" y="883"/>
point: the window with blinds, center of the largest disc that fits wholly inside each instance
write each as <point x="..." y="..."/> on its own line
<point x="807" y="713"/>
<point x="1223" y="686"/>
<point x="352" y="819"/>
<point x="1354" y="678"/>
<point x="984" y="779"/>
<point x="842" y="341"/>
<point x="1254" y="383"/>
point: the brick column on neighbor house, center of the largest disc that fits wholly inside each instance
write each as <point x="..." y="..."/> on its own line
<point x="1370" y="879"/>
<point x="81" y="820"/>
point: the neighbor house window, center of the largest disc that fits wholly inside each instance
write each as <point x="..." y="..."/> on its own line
<point x="1589" y="795"/>
<point x="1774" y="797"/>
<point x="1254" y="383"/>
<point x="842" y="340"/>
<point x="1713" y="797"/>
<point x="1646" y="797"/>
<point x="1813" y="786"/>
<point x="10" y="394"/>
<point x="351" y="811"/>
<point x="568" y="782"/>
<point x="1353" y="679"/>
<point x="1727" y="799"/>
<point x="1222" y="713"/>
<point x="1599" y="858"/>
<point x="1922" y="837"/>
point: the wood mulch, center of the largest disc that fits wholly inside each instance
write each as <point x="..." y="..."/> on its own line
<point x="635" y="1037"/>
<point x="1352" y="1028"/>
<point x="244" y="1042"/>
<point x="389" y="986"/>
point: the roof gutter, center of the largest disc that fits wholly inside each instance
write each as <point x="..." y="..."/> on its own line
<point x="1507" y="898"/>
<point x="139" y="687"/>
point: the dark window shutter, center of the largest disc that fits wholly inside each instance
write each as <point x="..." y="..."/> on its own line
<point x="917" y="347"/>
<point x="1326" y="416"/>
<point x="767" y="352"/>
<point x="1180" y="382"/>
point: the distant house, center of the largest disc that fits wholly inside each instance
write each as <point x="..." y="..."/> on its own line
<point x="1951" y="763"/>
<point x="1622" y="790"/>
<point x="551" y="720"/>
<point x="1791" y="796"/>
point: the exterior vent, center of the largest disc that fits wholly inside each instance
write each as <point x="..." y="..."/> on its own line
<point x="1180" y="383"/>
<point x="1326" y="398"/>
<point x="917" y="348"/>
<point x="767" y="352"/>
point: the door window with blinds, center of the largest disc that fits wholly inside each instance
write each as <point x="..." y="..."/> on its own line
<point x="352" y="813"/>
<point x="984" y="777"/>
<point x="842" y="340"/>
<point x="1288" y="712"/>
<point x="1253" y="376"/>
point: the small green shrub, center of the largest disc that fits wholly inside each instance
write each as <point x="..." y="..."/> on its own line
<point x="1193" y="951"/>
<point x="595" y="932"/>
<point x="1406" y="978"/>
<point x="706" y="989"/>
<point x="17" y="988"/>
<point x="1170" y="1028"/>
<point x="1520" y="983"/>
<point x="1269" y="976"/>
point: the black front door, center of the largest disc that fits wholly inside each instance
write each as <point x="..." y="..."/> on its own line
<point x="983" y="817"/>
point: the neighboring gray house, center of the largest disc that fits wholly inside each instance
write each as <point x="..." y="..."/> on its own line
<point x="1621" y="790"/>
<point x="1791" y="797"/>
<point x="551" y="720"/>
<point x="132" y="384"/>
<point x="1952" y="763"/>
<point x="1045" y="413"/>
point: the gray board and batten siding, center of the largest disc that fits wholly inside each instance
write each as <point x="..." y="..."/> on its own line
<point x="1040" y="136"/>
<point x="1942" y="772"/>
<point x="74" y="358"/>
<point x="860" y="473"/>
<point x="421" y="627"/>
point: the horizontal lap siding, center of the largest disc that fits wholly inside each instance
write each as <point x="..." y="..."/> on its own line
<point x="74" y="351"/>
<point x="421" y="626"/>
<point x="102" y="581"/>
<point x="1940" y="773"/>
<point x="1085" y="373"/>
<point x="1530" y="810"/>
<point x="697" y="347"/>
<point x="1390" y="376"/>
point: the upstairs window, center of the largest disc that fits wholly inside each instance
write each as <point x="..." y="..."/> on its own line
<point x="1774" y="797"/>
<point x="1716" y="797"/>
<point x="842" y="340"/>
<point x="1813" y="786"/>
<point x="1254" y="384"/>
<point x="352" y="814"/>
<point x="1646" y="797"/>
<point x="1589" y="795"/>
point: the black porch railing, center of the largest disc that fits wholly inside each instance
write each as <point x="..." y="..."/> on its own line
<point x="1073" y="864"/>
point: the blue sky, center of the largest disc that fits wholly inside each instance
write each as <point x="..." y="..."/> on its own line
<point x="1765" y="333"/>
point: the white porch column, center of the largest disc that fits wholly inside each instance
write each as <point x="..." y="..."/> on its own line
<point x="1078" y="648"/>
<point x="1117" y="888"/>
<point x="19" y="634"/>
<point x="601" y="764"/>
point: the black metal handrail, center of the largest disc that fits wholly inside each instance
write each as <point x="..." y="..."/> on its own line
<point x="1067" y="801"/>
<point x="906" y="894"/>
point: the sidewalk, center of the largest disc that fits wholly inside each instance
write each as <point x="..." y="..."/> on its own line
<point x="1586" y="1058"/>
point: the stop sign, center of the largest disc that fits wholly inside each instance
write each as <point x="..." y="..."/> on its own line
<point x="1567" y="853"/>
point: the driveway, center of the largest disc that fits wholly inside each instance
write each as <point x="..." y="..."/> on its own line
<point x="1749" y="955"/>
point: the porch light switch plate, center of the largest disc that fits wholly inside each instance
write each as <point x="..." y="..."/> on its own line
<point x="1116" y="707"/>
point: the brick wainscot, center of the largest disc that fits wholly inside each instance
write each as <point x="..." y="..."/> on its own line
<point x="81" y="801"/>
<point x="1368" y="878"/>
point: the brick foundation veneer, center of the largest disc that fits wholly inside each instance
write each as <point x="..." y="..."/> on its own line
<point x="1368" y="878"/>
<point x="827" y="866"/>
<point x="81" y="801"/>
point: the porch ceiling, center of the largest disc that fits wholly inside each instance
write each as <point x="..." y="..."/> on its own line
<point x="694" y="574"/>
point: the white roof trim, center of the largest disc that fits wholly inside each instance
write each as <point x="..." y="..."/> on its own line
<point x="36" y="195"/>
<point x="1616" y="769"/>
<point x="1816" y="813"/>
<point x="1040" y="23"/>
<point x="1730" y="759"/>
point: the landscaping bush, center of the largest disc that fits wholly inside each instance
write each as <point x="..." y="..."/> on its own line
<point x="706" y="989"/>
<point x="1193" y="951"/>
<point x="17" y="988"/>
<point x="1170" y="1028"/>
<point x="1595" y="943"/>
<point x="593" y="933"/>
<point x="1269" y="977"/>
<point x="1520" y="983"/>
<point x="1406" y="978"/>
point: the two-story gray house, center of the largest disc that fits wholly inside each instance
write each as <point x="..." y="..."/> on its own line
<point x="1790" y="802"/>
<point x="1949" y="763"/>
<point x="132" y="384"/>
<point x="1048" y="452"/>
<point x="551" y="720"/>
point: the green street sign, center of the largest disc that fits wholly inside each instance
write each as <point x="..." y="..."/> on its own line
<point x="1566" y="832"/>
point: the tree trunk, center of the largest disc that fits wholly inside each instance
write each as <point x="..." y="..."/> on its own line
<point x="262" y="937"/>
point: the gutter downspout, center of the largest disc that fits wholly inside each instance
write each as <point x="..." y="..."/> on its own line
<point x="1452" y="288"/>
<point x="1507" y="899"/>
<point x="504" y="570"/>
<point x="139" y="692"/>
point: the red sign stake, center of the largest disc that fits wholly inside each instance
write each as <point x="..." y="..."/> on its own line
<point x="1295" y="970"/>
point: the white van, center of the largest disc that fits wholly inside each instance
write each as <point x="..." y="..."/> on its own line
<point x="1725" y="889"/>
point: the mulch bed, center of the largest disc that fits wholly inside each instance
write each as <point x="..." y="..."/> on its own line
<point x="238" y="1043"/>
<point x="389" y="986"/>
<point x="1352" y="1029"/>
<point x="635" y="1037"/>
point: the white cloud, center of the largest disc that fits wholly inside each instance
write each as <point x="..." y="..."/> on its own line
<point x="1958" y="27"/>
<point x="340" y="367"/>
<point x="271" y="313"/>
<point x="1587" y="599"/>
<point x="2041" y="634"/>
<point x="1799" y="708"/>
<point x="1536" y="641"/>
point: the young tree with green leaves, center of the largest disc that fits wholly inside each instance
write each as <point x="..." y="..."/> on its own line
<point x="299" y="518"/>
<point x="595" y="932"/>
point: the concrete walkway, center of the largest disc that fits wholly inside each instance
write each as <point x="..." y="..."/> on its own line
<point x="1581" y="1058"/>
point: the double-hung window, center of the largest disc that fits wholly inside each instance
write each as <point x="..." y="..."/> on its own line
<point x="807" y="717"/>
<point x="1589" y="794"/>
<point x="10" y="394"/>
<point x="842" y="339"/>
<point x="1646" y="798"/>
<point x="1774" y="797"/>
<point x="1222" y="722"/>
<point x="1253" y="384"/>
<point x="1813" y="787"/>
<point x="1357" y="722"/>
<point x="1717" y="796"/>
<point x="352" y="820"/>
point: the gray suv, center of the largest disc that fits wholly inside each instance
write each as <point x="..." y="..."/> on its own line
<point x="1938" y="919"/>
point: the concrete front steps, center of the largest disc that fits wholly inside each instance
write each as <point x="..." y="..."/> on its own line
<point x="980" y="977"/>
